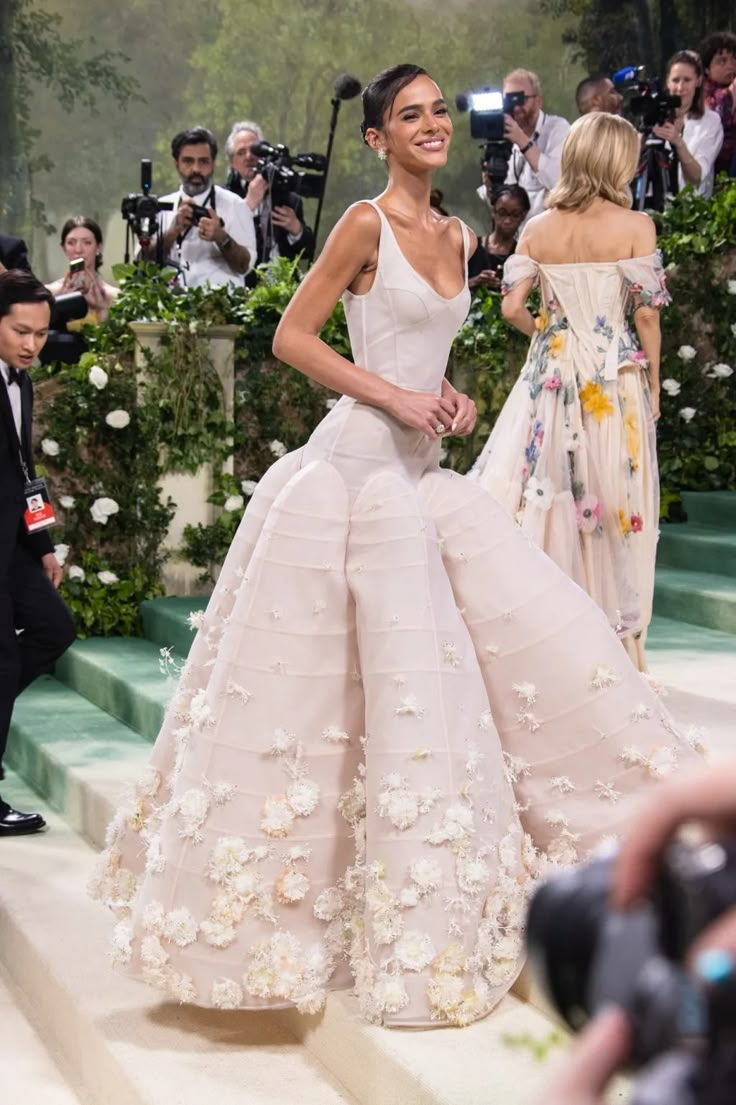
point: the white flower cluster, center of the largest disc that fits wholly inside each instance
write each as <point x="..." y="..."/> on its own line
<point x="102" y="509"/>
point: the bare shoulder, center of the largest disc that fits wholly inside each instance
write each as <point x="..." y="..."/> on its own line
<point x="360" y="219"/>
<point x="457" y="229"/>
<point x="644" y="232"/>
<point x="535" y="233"/>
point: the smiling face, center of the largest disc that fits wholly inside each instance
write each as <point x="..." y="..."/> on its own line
<point x="417" y="131"/>
<point x="683" y="81"/>
<point x="242" y="159"/>
<point x="23" y="333"/>
<point x="81" y="242"/>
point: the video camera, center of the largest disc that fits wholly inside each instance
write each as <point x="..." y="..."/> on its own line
<point x="140" y="209"/>
<point x="487" y="110"/>
<point x="646" y="103"/>
<point x="683" y="1031"/>
<point x="278" y="167"/>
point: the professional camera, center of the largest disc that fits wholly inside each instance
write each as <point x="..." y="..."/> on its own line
<point x="140" y="209"/>
<point x="683" y="1031"/>
<point x="487" y="110"/>
<point x="646" y="103"/>
<point x="278" y="167"/>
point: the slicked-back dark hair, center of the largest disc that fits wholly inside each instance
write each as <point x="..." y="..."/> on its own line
<point x="713" y="44"/>
<point x="194" y="136"/>
<point x="17" y="286"/>
<point x="379" y="94"/>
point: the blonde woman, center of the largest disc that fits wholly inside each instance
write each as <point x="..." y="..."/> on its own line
<point x="573" y="453"/>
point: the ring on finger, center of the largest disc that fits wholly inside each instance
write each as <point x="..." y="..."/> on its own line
<point x="440" y="428"/>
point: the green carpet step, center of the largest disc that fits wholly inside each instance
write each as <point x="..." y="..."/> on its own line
<point x="166" y="620"/>
<point x="73" y="754"/>
<point x="121" y="675"/>
<point x="697" y="548"/>
<point x="703" y="598"/>
<point x="711" y="508"/>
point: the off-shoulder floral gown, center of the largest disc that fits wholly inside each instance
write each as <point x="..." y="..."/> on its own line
<point x="573" y="453"/>
<point x="397" y="712"/>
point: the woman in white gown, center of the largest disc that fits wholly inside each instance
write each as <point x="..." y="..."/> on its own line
<point x="397" y="710"/>
<point x="573" y="453"/>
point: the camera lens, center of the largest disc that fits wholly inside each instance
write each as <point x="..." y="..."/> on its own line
<point x="566" y="916"/>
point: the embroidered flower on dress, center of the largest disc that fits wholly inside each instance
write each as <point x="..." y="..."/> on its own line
<point x="303" y="796"/>
<point x="595" y="401"/>
<point x="563" y="784"/>
<point x="527" y="691"/>
<point x="552" y="383"/>
<point x="228" y="857"/>
<point x="516" y="767"/>
<point x="588" y="511"/>
<point x="604" y="677"/>
<point x="409" y="707"/>
<point x="456" y="825"/>
<point x="282" y="742"/>
<point x="182" y="988"/>
<point x="607" y="792"/>
<point x="390" y="993"/>
<point x="415" y="950"/>
<point x="637" y="523"/>
<point x="277" y="816"/>
<point x="148" y="782"/>
<point x="192" y="808"/>
<point x="426" y="874"/>
<point x="238" y="691"/>
<point x="122" y="944"/>
<point x="292" y="886"/>
<point x="226" y="994"/>
<point x="485" y="721"/>
<point x="329" y="904"/>
<point x="352" y="804"/>
<point x="473" y="875"/>
<point x="451" y="655"/>
<point x="641" y="712"/>
<point x="530" y="720"/>
<point x="335" y="734"/>
<point x="180" y="927"/>
<point x="540" y="492"/>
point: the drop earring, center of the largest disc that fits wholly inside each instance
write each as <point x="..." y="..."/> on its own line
<point x="381" y="155"/>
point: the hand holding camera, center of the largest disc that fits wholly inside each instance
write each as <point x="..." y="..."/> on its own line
<point x="209" y="224"/>
<point x="257" y="191"/>
<point x="184" y="216"/>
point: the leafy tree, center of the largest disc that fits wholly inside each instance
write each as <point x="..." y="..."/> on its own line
<point x="33" y="52"/>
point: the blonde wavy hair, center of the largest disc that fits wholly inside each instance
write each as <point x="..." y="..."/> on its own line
<point x="599" y="159"/>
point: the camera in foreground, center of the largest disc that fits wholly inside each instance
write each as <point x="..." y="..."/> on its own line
<point x="588" y="957"/>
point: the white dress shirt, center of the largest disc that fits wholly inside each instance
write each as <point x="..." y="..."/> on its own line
<point x="703" y="138"/>
<point x="14" y="397"/>
<point x="549" y="136"/>
<point x="204" y="262"/>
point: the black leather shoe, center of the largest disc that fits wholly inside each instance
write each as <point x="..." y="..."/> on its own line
<point x="15" y="823"/>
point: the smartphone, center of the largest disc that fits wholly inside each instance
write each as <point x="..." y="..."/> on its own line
<point x="77" y="265"/>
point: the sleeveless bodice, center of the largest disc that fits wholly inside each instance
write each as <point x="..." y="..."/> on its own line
<point x="402" y="329"/>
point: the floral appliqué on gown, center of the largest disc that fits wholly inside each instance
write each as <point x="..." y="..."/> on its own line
<point x="573" y="453"/>
<point x="395" y="714"/>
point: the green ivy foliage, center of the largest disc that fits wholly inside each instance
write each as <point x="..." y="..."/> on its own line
<point x="177" y="420"/>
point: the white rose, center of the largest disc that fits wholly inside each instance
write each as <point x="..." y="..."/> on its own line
<point x="248" y="487"/>
<point x="732" y="287"/>
<point x="118" y="419"/>
<point x="50" y="447"/>
<point x="107" y="577"/>
<point x="687" y="414"/>
<point x="687" y="353"/>
<point x="67" y="501"/>
<point x="102" y="508"/>
<point x="61" y="552"/>
<point x="97" y="377"/>
<point x="720" y="372"/>
<point x="75" y="572"/>
<point x="234" y="502"/>
<point x="672" y="387"/>
<point x="277" y="448"/>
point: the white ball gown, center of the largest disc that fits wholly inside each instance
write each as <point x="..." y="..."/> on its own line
<point x="573" y="453"/>
<point x="397" y="712"/>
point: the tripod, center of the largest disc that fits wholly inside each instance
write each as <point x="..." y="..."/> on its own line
<point x="653" y="181"/>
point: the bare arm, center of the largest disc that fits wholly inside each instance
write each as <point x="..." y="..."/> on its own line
<point x="350" y="252"/>
<point x="646" y="319"/>
<point x="513" y="305"/>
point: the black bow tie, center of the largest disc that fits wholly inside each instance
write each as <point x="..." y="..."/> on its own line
<point x="13" y="375"/>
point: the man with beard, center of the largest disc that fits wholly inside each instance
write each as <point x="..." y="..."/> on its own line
<point x="598" y="93"/>
<point x="219" y="247"/>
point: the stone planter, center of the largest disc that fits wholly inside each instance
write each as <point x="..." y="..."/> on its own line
<point x="189" y="492"/>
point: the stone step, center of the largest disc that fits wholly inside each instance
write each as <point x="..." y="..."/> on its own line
<point x="166" y="620"/>
<point x="697" y="548"/>
<point x="125" y="1047"/>
<point x="711" y="508"/>
<point x="73" y="754"/>
<point x="702" y="598"/>
<point x="29" y="1073"/>
<point x="122" y="676"/>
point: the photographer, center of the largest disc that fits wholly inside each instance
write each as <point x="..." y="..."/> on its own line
<point x="696" y="132"/>
<point x="81" y="241"/>
<point x="209" y="233"/>
<point x="598" y="93"/>
<point x="537" y="140"/>
<point x="280" y="231"/>
<point x="708" y="800"/>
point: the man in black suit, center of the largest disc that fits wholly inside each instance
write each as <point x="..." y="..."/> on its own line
<point x="13" y="253"/>
<point x="35" y="625"/>
<point x="280" y="231"/>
